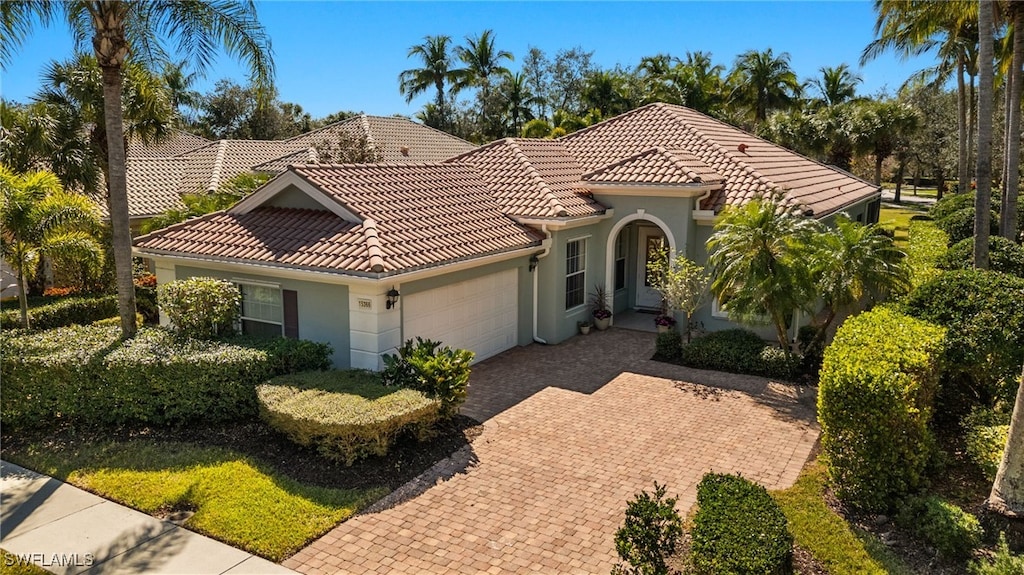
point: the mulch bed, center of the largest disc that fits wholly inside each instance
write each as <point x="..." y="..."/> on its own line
<point x="407" y="459"/>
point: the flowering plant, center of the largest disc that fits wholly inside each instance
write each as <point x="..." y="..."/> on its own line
<point x="665" y="320"/>
<point x="602" y="314"/>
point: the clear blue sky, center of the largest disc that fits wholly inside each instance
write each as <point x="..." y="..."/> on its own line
<point x="337" y="55"/>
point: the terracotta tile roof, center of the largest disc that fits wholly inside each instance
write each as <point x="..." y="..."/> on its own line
<point x="656" y="166"/>
<point x="533" y="178"/>
<point x="759" y="168"/>
<point x="176" y="142"/>
<point x="399" y="139"/>
<point x="278" y="165"/>
<point x="153" y="185"/>
<point x="411" y="216"/>
<point x="217" y="162"/>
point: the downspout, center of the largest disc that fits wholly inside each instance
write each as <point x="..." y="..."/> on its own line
<point x="536" y="282"/>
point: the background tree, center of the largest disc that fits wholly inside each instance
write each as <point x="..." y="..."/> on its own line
<point x="836" y="84"/>
<point x="982" y="199"/>
<point x="235" y="112"/>
<point x="1007" y="495"/>
<point x="605" y="91"/>
<point x="568" y="73"/>
<point x="38" y="218"/>
<point x="228" y="194"/>
<point x="120" y="27"/>
<point x="179" y="81"/>
<point x="435" y="54"/>
<point x="519" y="102"/>
<point x="881" y="127"/>
<point x="536" y="71"/>
<point x="763" y="82"/>
<point x="1008" y="214"/>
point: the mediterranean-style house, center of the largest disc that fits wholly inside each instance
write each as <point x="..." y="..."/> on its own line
<point x="494" y="247"/>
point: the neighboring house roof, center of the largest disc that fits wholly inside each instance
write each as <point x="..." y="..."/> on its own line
<point x="399" y="139"/>
<point x="217" y="162"/>
<point x="153" y="185"/>
<point x="749" y="165"/>
<point x="278" y="165"/>
<point x="407" y="217"/>
<point x="656" y="166"/>
<point x="533" y="178"/>
<point x="176" y="142"/>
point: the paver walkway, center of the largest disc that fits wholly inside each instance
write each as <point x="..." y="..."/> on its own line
<point x="68" y="530"/>
<point x="571" y="433"/>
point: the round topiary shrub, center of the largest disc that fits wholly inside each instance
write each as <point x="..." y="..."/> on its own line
<point x="199" y="307"/>
<point x="959" y="225"/>
<point x="955" y="202"/>
<point x="345" y="415"/>
<point x="1004" y="256"/>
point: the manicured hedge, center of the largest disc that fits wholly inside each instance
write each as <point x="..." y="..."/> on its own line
<point x="739" y="351"/>
<point x="925" y="247"/>
<point x="959" y="225"/>
<point x="86" y="374"/>
<point x="983" y="312"/>
<point x="951" y="203"/>
<point x="875" y="395"/>
<point x="346" y="415"/>
<point x="62" y="312"/>
<point x="985" y="435"/>
<point x="953" y="532"/>
<point x="739" y="529"/>
<point x="1004" y="256"/>
<point x="668" y="346"/>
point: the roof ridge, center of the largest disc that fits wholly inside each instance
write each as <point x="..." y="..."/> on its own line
<point x="624" y="161"/>
<point x="364" y="122"/>
<point x="373" y="247"/>
<point x="553" y="201"/>
<point x="218" y="166"/>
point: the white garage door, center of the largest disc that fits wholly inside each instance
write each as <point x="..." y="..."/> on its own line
<point x="479" y="315"/>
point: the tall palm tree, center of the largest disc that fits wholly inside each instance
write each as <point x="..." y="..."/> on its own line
<point x="437" y="71"/>
<point x="604" y="91"/>
<point x="983" y="171"/>
<point x="705" y="87"/>
<point x="1008" y="213"/>
<point x="482" y="60"/>
<point x="1007" y="495"/>
<point x="759" y="255"/>
<point x="519" y="100"/>
<point x="179" y="82"/>
<point x="764" y="82"/>
<point x="118" y="28"/>
<point x="836" y="84"/>
<point x="38" y="218"/>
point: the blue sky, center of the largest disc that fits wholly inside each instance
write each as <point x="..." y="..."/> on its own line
<point x="338" y="55"/>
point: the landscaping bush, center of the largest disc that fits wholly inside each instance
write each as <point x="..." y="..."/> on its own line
<point x="951" y="203"/>
<point x="875" y="395"/>
<point x="62" y="312"/>
<point x="985" y="433"/>
<point x="88" y="375"/>
<point x="925" y="246"/>
<point x="1004" y="256"/>
<point x="286" y="355"/>
<point x="983" y="312"/>
<point x="1003" y="563"/>
<point x="440" y="372"/>
<point x="116" y="320"/>
<point x="959" y="225"/>
<point x="668" y="346"/>
<point x="202" y="308"/>
<point x="346" y="415"/>
<point x="739" y="351"/>
<point x="649" y="535"/>
<point x="953" y="532"/>
<point x="738" y="529"/>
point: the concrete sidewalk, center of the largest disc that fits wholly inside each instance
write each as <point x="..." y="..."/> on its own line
<point x="67" y="530"/>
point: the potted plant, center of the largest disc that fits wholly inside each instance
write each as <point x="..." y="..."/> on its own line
<point x="664" y="322"/>
<point x="584" y="327"/>
<point x="599" y="308"/>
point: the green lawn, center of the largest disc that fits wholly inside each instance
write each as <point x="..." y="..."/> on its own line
<point x="11" y="565"/>
<point x="922" y="192"/>
<point x="840" y="548"/>
<point x="898" y="220"/>
<point x="235" y="500"/>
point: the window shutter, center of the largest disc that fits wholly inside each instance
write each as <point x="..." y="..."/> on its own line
<point x="290" y="303"/>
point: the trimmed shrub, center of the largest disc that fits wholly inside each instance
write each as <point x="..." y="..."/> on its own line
<point x="959" y="225"/>
<point x="875" y="395"/>
<point x="739" y="529"/>
<point x="668" y="346"/>
<point x="739" y="351"/>
<point x="440" y="372"/>
<point x="650" y="533"/>
<point x="88" y="375"/>
<point x="954" y="203"/>
<point x="953" y="532"/>
<point x="116" y="320"/>
<point x="926" y="245"/>
<point x="286" y="355"/>
<point x="202" y="308"/>
<point x="985" y="433"/>
<point x="1004" y="256"/>
<point x="1003" y="563"/>
<point x="346" y="415"/>
<point x="62" y="312"/>
<point x="983" y="312"/>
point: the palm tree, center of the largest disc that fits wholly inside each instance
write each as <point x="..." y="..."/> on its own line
<point x="704" y="87"/>
<point x="836" y="85"/>
<point x="852" y="263"/>
<point x="1007" y="495"/>
<point x="983" y="171"/>
<point x="1008" y="212"/>
<point x="437" y="71"/>
<point x="763" y="82"/>
<point x="482" y="61"/>
<point x="179" y="83"/>
<point x="604" y="91"/>
<point x="38" y="218"/>
<point x="118" y="28"/>
<point x="759" y="256"/>
<point x="519" y="100"/>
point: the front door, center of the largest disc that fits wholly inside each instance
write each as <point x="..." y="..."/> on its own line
<point x="652" y="242"/>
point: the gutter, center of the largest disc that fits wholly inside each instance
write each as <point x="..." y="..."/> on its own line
<point x="536" y="279"/>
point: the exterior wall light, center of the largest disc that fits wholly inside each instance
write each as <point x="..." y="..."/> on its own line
<point x="392" y="298"/>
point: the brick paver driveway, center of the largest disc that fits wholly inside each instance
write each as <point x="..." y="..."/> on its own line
<point x="570" y="433"/>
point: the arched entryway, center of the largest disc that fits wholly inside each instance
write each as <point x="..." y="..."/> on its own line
<point x="627" y="255"/>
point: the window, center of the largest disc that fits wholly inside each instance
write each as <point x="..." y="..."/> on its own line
<point x="262" y="311"/>
<point x="575" y="273"/>
<point x="620" y="262"/>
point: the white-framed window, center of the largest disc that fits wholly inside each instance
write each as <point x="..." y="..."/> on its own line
<point x="262" y="310"/>
<point x="575" y="273"/>
<point x="620" y="261"/>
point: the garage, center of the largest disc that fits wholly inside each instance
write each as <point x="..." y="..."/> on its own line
<point x="479" y="314"/>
